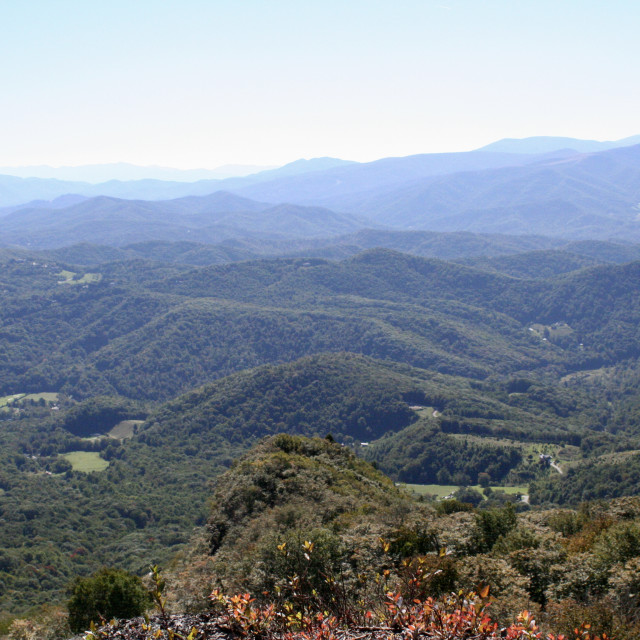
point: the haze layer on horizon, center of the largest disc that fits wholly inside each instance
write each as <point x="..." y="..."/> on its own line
<point x="202" y="84"/>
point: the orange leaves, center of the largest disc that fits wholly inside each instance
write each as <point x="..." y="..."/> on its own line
<point x="308" y="549"/>
<point x="385" y="545"/>
<point x="237" y="612"/>
<point x="297" y="612"/>
<point x="584" y="633"/>
<point x="455" y="617"/>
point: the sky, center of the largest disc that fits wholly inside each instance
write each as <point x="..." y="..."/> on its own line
<point x="195" y="83"/>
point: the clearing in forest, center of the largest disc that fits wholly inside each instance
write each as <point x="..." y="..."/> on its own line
<point x="86" y="461"/>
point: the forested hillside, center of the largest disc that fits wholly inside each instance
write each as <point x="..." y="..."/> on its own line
<point x="128" y="386"/>
<point x="151" y="331"/>
<point x="293" y="347"/>
<point x="562" y="194"/>
<point x="309" y="509"/>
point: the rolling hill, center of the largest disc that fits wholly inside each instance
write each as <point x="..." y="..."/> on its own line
<point x="418" y="357"/>
<point x="107" y="333"/>
<point x="562" y="194"/>
<point x="583" y="196"/>
<point x="17" y="191"/>
<point x="547" y="144"/>
<point x="214" y="218"/>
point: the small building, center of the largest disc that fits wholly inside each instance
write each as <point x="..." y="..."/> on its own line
<point x="545" y="459"/>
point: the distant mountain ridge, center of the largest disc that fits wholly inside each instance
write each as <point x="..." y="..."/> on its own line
<point x="16" y="191"/>
<point x="547" y="144"/>
<point x="340" y="186"/>
<point x="97" y="173"/>
<point x="561" y="193"/>
<point x="210" y="219"/>
<point x="523" y="256"/>
<point x="580" y="196"/>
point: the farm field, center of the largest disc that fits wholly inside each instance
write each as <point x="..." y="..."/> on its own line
<point x="47" y="396"/>
<point x="6" y="400"/>
<point x="425" y="412"/>
<point x="561" y="453"/>
<point x="86" y="461"/>
<point x="70" y="277"/>
<point x="555" y="330"/>
<point x="124" y="429"/>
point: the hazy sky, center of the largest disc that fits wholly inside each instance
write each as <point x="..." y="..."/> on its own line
<point x="203" y="83"/>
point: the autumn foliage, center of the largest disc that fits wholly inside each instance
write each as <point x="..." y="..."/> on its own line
<point x="455" y="617"/>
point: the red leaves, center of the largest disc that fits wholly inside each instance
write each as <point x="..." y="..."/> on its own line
<point x="456" y="617"/>
<point x="405" y="613"/>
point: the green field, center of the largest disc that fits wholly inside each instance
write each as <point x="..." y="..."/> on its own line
<point x="561" y="453"/>
<point x="425" y="412"/>
<point x="47" y="396"/>
<point x="590" y="376"/>
<point x="443" y="490"/>
<point x="5" y="400"/>
<point x="124" y="429"/>
<point x="70" y="277"/>
<point x="86" y="461"/>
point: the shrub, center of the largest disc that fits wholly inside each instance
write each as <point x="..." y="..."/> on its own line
<point x="618" y="544"/>
<point x="406" y="542"/>
<point x="596" y="618"/>
<point x="108" y="593"/>
<point x="302" y="564"/>
<point x="50" y="623"/>
<point x="490" y="525"/>
<point x="567" y="523"/>
<point x="625" y="589"/>
<point x="447" y="507"/>
<point x="468" y="495"/>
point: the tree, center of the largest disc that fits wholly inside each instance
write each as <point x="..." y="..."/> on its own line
<point x="484" y="479"/>
<point x="108" y="593"/>
<point x="469" y="495"/>
<point x="490" y="525"/>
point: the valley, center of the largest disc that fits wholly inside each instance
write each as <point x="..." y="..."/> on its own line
<point x="163" y="374"/>
<point x="308" y="331"/>
<point x="147" y="346"/>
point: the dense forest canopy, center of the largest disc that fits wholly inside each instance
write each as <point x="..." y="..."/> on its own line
<point x="129" y="385"/>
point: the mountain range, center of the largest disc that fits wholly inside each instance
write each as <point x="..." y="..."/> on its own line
<point x="562" y="194"/>
<point x="460" y="320"/>
<point x="213" y="219"/>
<point x="97" y="173"/>
<point x="584" y="195"/>
<point x="547" y="144"/>
<point x="32" y="191"/>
